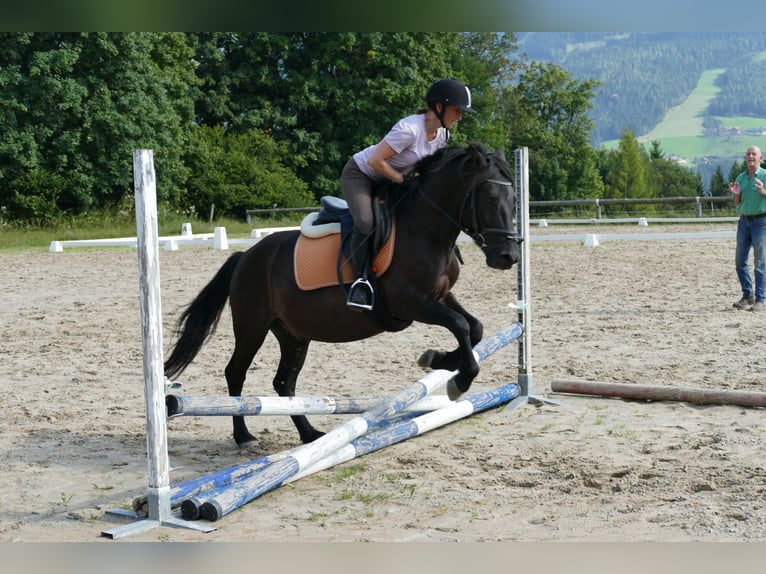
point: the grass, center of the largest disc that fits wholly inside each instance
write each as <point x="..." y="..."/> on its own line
<point x="681" y="132"/>
<point x="686" y="119"/>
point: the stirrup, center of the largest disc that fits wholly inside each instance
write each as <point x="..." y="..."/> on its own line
<point x="361" y="296"/>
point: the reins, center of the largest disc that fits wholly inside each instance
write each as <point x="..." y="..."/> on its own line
<point x="477" y="233"/>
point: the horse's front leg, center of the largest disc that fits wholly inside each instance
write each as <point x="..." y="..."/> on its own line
<point x="433" y="359"/>
<point x="433" y="312"/>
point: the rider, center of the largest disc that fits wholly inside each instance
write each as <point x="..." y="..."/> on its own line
<point x="409" y="140"/>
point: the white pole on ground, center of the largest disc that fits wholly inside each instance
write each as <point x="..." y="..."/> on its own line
<point x="158" y="494"/>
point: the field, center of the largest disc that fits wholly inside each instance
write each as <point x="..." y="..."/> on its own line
<point x="593" y="468"/>
<point x="681" y="133"/>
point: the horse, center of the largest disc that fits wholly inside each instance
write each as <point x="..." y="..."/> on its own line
<point x="457" y="189"/>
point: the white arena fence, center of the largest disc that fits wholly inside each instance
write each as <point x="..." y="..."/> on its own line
<point x="219" y="240"/>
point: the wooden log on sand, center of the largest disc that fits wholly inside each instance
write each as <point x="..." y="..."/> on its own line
<point x="659" y="393"/>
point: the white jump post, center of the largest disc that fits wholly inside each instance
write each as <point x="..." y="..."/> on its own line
<point x="158" y="494"/>
<point x="524" y="285"/>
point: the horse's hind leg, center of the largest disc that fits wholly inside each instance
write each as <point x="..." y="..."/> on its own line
<point x="293" y="356"/>
<point x="245" y="349"/>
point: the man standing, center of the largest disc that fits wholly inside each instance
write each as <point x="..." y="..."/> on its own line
<point x="750" y="199"/>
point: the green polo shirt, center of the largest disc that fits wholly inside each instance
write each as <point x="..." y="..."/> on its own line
<point x="751" y="202"/>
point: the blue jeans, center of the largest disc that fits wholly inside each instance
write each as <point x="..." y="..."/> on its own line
<point x="751" y="234"/>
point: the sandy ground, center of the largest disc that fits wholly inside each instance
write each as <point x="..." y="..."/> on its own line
<point x="593" y="468"/>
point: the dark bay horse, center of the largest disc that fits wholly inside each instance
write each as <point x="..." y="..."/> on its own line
<point x="456" y="189"/>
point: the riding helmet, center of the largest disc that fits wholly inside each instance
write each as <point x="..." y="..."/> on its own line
<point x="450" y="91"/>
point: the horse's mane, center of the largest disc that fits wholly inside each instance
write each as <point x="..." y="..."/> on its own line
<point x="400" y="195"/>
<point x="504" y="169"/>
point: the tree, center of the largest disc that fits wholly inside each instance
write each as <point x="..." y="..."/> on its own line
<point x="240" y="171"/>
<point x="718" y="184"/>
<point x="669" y="178"/>
<point x="655" y="151"/>
<point x="629" y="178"/>
<point x="326" y="95"/>
<point x="736" y="168"/>
<point x="673" y="180"/>
<point x="486" y="65"/>
<point x="548" y="114"/>
<point x="76" y="105"/>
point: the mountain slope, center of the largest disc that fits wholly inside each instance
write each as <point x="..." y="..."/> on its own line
<point x="645" y="75"/>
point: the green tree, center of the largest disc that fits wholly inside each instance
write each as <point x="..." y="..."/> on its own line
<point x="240" y="171"/>
<point x="548" y="114"/>
<point x="736" y="168"/>
<point x="327" y="94"/>
<point x="718" y="183"/>
<point x="76" y="105"/>
<point x="486" y="65"/>
<point x="671" y="179"/>
<point x="655" y="151"/>
<point x="630" y="177"/>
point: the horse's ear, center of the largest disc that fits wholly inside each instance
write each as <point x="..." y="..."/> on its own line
<point x="476" y="152"/>
<point x="500" y="154"/>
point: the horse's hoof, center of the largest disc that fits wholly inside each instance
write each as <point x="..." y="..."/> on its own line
<point x="247" y="444"/>
<point x="426" y="359"/>
<point x="453" y="391"/>
<point x="312" y="437"/>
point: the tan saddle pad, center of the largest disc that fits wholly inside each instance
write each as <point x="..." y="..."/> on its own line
<point x="316" y="261"/>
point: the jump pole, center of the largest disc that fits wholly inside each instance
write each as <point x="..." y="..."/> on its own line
<point x="158" y="493"/>
<point x="403" y="430"/>
<point x="219" y="502"/>
<point x="211" y="405"/>
<point x="524" y="286"/>
<point x="203" y="405"/>
<point x="386" y="435"/>
<point x="659" y="393"/>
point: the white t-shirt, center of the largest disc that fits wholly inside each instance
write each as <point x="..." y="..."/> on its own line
<point x="409" y="140"/>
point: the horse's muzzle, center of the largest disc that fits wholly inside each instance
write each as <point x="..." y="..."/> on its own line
<point x="504" y="255"/>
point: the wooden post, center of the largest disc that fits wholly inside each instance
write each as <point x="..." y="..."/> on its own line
<point x="151" y="331"/>
<point x="158" y="494"/>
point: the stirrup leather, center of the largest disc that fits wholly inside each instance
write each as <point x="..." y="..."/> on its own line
<point x="361" y="295"/>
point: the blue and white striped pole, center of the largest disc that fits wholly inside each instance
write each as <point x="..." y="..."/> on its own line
<point x="217" y="503"/>
<point x="403" y="430"/>
<point x="210" y="405"/>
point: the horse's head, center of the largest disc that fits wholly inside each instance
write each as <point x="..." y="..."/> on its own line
<point x="471" y="188"/>
<point x="490" y="209"/>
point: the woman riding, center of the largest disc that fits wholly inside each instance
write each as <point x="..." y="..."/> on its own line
<point x="409" y="140"/>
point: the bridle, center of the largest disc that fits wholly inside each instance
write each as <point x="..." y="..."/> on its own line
<point x="479" y="235"/>
<point x="475" y="231"/>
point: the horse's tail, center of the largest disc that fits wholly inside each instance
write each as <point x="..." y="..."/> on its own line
<point x="200" y="318"/>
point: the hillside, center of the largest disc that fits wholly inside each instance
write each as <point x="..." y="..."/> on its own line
<point x="702" y="95"/>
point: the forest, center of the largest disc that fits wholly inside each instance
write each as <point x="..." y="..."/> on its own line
<point x="643" y="75"/>
<point x="259" y="120"/>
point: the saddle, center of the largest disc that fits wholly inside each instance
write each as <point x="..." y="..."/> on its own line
<point x="322" y="250"/>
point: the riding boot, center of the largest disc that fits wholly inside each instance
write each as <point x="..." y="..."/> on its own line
<point x="361" y="296"/>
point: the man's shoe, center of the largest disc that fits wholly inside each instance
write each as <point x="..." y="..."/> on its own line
<point x="745" y="303"/>
<point x="360" y="296"/>
<point x="758" y="306"/>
